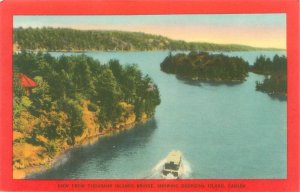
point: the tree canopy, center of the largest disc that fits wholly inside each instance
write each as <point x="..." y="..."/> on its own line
<point x="275" y="71"/>
<point x="65" y="39"/>
<point x="206" y="66"/>
<point x="65" y="81"/>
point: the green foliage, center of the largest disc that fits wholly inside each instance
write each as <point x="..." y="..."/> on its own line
<point x="65" y="81"/>
<point x="205" y="66"/>
<point x="62" y="39"/>
<point x="51" y="148"/>
<point x="275" y="71"/>
<point x="21" y="103"/>
<point x="40" y="96"/>
<point x="74" y="112"/>
<point x="25" y="101"/>
<point x="265" y="66"/>
<point x="108" y="95"/>
<point x="93" y="107"/>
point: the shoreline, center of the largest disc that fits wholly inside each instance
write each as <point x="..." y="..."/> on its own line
<point x="90" y="140"/>
<point x="210" y="81"/>
<point x="135" y="50"/>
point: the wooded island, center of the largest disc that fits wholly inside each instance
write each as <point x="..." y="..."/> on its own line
<point x="210" y="67"/>
<point x="275" y="71"/>
<point x="206" y="66"/>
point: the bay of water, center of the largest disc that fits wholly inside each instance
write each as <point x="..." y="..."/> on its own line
<point x="224" y="131"/>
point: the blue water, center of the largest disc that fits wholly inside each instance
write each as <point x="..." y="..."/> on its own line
<point x="224" y="131"/>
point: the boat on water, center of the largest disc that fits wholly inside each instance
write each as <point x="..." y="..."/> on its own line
<point x="173" y="166"/>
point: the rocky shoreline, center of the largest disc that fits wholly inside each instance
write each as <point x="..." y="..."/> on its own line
<point x="34" y="162"/>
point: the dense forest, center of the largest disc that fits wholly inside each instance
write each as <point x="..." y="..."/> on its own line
<point x="221" y="68"/>
<point x="63" y="39"/>
<point x="275" y="71"/>
<point x="206" y="66"/>
<point x="74" y="96"/>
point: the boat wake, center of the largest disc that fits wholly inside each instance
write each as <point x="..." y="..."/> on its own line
<point x="157" y="170"/>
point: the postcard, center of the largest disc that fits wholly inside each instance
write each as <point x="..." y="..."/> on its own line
<point x="149" y="96"/>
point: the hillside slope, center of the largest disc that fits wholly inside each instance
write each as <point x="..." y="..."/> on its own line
<point x="63" y="39"/>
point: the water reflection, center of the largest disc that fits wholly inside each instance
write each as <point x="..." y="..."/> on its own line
<point x="278" y="97"/>
<point x="105" y="150"/>
<point x="199" y="83"/>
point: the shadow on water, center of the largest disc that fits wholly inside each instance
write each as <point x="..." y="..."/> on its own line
<point x="106" y="149"/>
<point x="282" y="98"/>
<point x="199" y="83"/>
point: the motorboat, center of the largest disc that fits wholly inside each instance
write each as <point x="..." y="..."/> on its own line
<point x="172" y="167"/>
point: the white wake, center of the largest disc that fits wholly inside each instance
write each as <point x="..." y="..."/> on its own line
<point x="157" y="169"/>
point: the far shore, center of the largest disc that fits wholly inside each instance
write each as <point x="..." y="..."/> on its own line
<point x="134" y="50"/>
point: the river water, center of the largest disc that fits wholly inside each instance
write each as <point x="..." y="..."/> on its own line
<point x="224" y="131"/>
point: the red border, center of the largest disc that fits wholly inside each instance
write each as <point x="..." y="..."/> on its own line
<point x="8" y="8"/>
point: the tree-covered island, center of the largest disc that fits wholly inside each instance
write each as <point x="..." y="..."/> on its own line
<point x="275" y="71"/>
<point x="206" y="66"/>
<point x="63" y="102"/>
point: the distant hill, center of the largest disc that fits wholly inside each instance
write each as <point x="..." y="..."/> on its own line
<point x="64" y="39"/>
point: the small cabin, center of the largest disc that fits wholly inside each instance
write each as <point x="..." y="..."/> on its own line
<point x="27" y="83"/>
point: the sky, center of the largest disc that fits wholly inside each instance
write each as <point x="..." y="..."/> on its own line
<point x="259" y="30"/>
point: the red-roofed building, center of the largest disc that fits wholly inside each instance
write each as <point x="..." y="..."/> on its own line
<point x="27" y="83"/>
